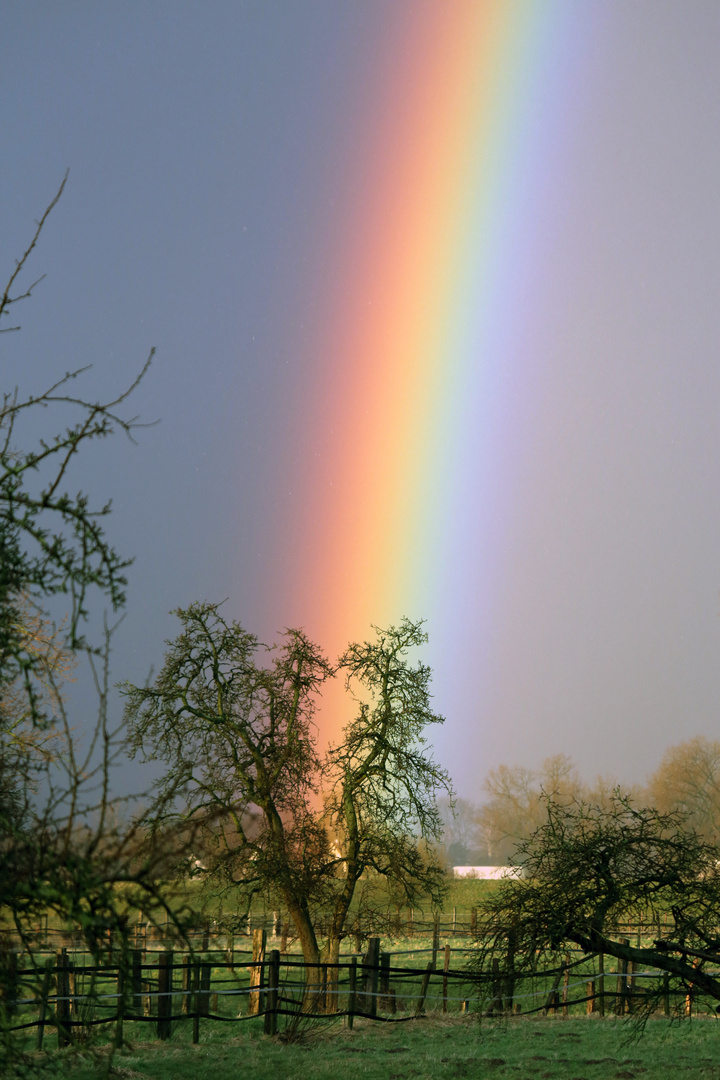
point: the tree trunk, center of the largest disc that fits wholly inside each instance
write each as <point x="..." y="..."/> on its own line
<point x="331" y="956"/>
<point x="312" y="1000"/>
<point x="305" y="932"/>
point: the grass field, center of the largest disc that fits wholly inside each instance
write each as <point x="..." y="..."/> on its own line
<point x="435" y="1048"/>
<point x="455" y="1045"/>
<point x="574" y="1047"/>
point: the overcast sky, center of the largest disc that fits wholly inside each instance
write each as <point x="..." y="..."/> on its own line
<point x="210" y="149"/>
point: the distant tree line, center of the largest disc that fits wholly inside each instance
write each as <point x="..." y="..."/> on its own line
<point x="489" y="831"/>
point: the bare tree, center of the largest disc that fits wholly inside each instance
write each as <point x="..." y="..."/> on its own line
<point x="588" y="868"/>
<point x="237" y="740"/>
<point x="63" y="849"/>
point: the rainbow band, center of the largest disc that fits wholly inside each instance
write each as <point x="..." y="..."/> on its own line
<point x="400" y="479"/>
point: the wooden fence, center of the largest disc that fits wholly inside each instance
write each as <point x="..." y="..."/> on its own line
<point x="400" y="925"/>
<point x="72" y="998"/>
<point x="168" y="989"/>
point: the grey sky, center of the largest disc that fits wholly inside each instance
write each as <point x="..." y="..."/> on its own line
<point x="207" y="145"/>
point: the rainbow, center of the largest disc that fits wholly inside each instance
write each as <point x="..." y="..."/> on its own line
<point x="397" y="492"/>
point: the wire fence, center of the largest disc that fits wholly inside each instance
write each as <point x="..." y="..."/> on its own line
<point x="167" y="989"/>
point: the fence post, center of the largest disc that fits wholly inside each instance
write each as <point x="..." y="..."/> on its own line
<point x="496" y="1002"/>
<point x="621" y="983"/>
<point x="420" y="1006"/>
<point x="372" y="963"/>
<point x="62" y="1003"/>
<point x="12" y="986"/>
<point x="72" y="1004"/>
<point x="666" y="994"/>
<point x="255" y="1004"/>
<point x="601" y="983"/>
<point x="631" y="987"/>
<point x="473" y="920"/>
<point x="446" y="968"/>
<point x="436" y="938"/>
<point x="691" y="989"/>
<point x="553" y="999"/>
<point x="119" y="1034"/>
<point x="147" y="985"/>
<point x="186" y="986"/>
<point x="510" y="979"/>
<point x="44" y="995"/>
<point x="352" y="980"/>
<point x="164" y="1009"/>
<point x="384" y="988"/>
<point x="272" y="993"/>
<point x="136" y="979"/>
<point x="205" y="974"/>
<point x="196" y="1000"/>
<point x="590" y="1003"/>
<point x="566" y="980"/>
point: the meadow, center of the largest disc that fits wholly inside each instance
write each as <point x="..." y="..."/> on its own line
<point x="568" y="1043"/>
<point x="432" y="1048"/>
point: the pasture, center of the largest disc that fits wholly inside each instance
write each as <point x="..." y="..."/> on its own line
<point x="433" y="1048"/>
<point x="211" y="1031"/>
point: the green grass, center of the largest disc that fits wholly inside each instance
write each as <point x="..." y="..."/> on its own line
<point x="435" y="1048"/>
